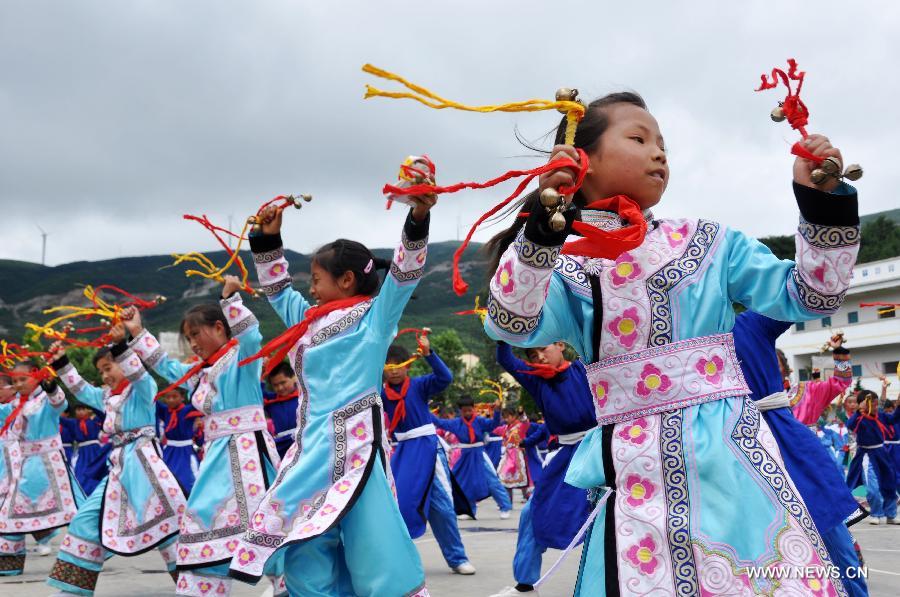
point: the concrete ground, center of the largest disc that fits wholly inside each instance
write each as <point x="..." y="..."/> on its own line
<point x="490" y="543"/>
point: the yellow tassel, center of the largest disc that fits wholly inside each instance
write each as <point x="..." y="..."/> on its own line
<point x="574" y="110"/>
<point x="406" y="363"/>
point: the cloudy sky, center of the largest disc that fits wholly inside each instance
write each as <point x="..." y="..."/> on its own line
<point x="118" y="117"/>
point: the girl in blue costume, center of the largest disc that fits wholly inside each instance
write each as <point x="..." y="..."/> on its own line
<point x="137" y="506"/>
<point x="872" y="427"/>
<point x="7" y="403"/>
<point x="43" y="493"/>
<point x="808" y="464"/>
<point x="89" y="463"/>
<point x="556" y="510"/>
<point x="474" y="470"/>
<point x="240" y="460"/>
<point x="281" y="407"/>
<point x="676" y="439"/>
<point x="331" y="509"/>
<point x="177" y="421"/>
<point x="425" y="485"/>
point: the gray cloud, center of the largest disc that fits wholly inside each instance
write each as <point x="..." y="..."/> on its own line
<point x="116" y="118"/>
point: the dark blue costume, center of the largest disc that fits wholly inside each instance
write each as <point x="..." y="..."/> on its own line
<point x="474" y="470"/>
<point x="556" y="509"/>
<point x="90" y="457"/>
<point x="537" y="435"/>
<point x="871" y="434"/>
<point x="425" y="485"/>
<point x="282" y="410"/>
<point x="808" y="463"/>
<point x="178" y="451"/>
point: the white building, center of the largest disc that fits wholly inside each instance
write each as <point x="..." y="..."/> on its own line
<point x="873" y="335"/>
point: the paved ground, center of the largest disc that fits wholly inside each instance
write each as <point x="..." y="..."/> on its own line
<point x="490" y="543"/>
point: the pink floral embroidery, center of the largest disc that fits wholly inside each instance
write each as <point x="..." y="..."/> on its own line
<point x="250" y="466"/>
<point x="253" y="489"/>
<point x="601" y="391"/>
<point x="245" y="556"/>
<point x="357" y="461"/>
<point x="634" y="431"/>
<point x="343" y="486"/>
<point x="359" y="431"/>
<point x="815" y="584"/>
<point x="625" y="327"/>
<point x="643" y="555"/>
<point x="206" y="551"/>
<point x="504" y="278"/>
<point x="258" y="520"/>
<point x="233" y="421"/>
<point x="233" y="313"/>
<point x="327" y="509"/>
<point x="231" y="545"/>
<point x="246" y="443"/>
<point x="711" y="369"/>
<point x="652" y="380"/>
<point x="420" y="258"/>
<point x="625" y="269"/>
<point x="401" y="255"/>
<point x="277" y="269"/>
<point x="204" y="586"/>
<point x="183" y="552"/>
<point x="675" y="236"/>
<point x="638" y="489"/>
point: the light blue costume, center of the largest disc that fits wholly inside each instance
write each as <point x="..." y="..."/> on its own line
<point x="136" y="507"/>
<point x="677" y="441"/>
<point x="43" y="493"/>
<point x="474" y="470"/>
<point x="240" y="459"/>
<point x="330" y="512"/>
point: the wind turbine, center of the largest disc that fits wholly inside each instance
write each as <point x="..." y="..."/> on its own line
<point x="43" y="244"/>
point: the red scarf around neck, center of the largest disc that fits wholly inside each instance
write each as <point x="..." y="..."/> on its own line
<point x="10" y="419"/>
<point x="285" y="398"/>
<point x="400" y="399"/>
<point x="208" y="362"/>
<point x="609" y="244"/>
<point x="545" y="371"/>
<point x="278" y="348"/>
<point x="468" y="423"/>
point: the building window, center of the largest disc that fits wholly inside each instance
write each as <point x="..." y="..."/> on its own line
<point x="804" y="375"/>
<point x="856" y="370"/>
<point x="891" y="268"/>
<point x="890" y="367"/>
<point x="865" y="273"/>
<point x="887" y="312"/>
<point x="800" y="326"/>
<point x="852" y="317"/>
<point x="826" y="322"/>
<point x="877" y="270"/>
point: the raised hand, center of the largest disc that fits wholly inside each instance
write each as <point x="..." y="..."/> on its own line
<point x="117" y="333"/>
<point x="818" y="145"/>
<point x="131" y="319"/>
<point x="424" y="346"/>
<point x="270" y="220"/>
<point x="57" y="351"/>
<point x="232" y="284"/>
<point x="563" y="176"/>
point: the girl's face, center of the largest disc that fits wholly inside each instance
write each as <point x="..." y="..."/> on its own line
<point x="24" y="381"/>
<point x="326" y="288"/>
<point x="205" y="340"/>
<point x="630" y="158"/>
<point x="850" y="405"/>
<point x="110" y="372"/>
<point x="552" y="354"/>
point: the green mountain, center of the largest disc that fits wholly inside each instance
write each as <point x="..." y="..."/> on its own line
<point x="26" y="289"/>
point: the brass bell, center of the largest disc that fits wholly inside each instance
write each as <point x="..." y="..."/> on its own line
<point x="832" y="166"/>
<point x="306" y="197"/>
<point x="853" y="172"/>
<point x="160" y="299"/>
<point x="818" y="176"/>
<point x="557" y="221"/>
<point x="550" y="198"/>
<point x="777" y="114"/>
<point x="566" y="94"/>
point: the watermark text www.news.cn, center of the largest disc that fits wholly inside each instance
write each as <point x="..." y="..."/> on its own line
<point x="805" y="572"/>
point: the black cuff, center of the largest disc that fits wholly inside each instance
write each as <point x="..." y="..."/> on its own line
<point x="827" y="209"/>
<point x="118" y="348"/>
<point x="49" y="386"/>
<point x="537" y="227"/>
<point x="60" y="363"/>
<point x="416" y="231"/>
<point x="262" y="243"/>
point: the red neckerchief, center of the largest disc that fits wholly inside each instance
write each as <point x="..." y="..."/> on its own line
<point x="173" y="417"/>
<point x="609" y="244"/>
<point x="82" y="424"/>
<point x="471" y="429"/>
<point x="120" y="388"/>
<point x="196" y="368"/>
<point x="277" y="348"/>
<point x="285" y="398"/>
<point x="886" y="432"/>
<point x="400" y="399"/>
<point x="545" y="371"/>
<point x="15" y="413"/>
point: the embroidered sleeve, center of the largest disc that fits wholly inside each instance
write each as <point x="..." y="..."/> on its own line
<point x="407" y="268"/>
<point x="57" y="399"/>
<point x="85" y="392"/>
<point x="275" y="279"/>
<point x="243" y="323"/>
<point x="148" y="348"/>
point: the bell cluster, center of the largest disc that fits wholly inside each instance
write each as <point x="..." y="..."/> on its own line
<point x="555" y="205"/>
<point x="296" y="200"/>
<point x="830" y="167"/>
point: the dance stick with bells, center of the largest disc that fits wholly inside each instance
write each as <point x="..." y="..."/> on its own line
<point x="420" y="333"/>
<point x="796" y="113"/>
<point x="417" y="173"/>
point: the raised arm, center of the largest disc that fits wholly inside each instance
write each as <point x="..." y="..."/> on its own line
<point x="272" y="272"/>
<point x="439" y="379"/>
<point x="243" y="323"/>
<point x="148" y="349"/>
<point x="536" y="434"/>
<point x="515" y="366"/>
<point x="71" y="378"/>
<point x="819" y="394"/>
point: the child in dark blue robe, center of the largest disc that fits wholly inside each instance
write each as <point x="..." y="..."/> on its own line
<point x="872" y="428"/>
<point x="89" y="461"/>
<point x="281" y="406"/>
<point x="474" y="470"/>
<point x="177" y="421"/>
<point x="425" y="485"/>
<point x="556" y="510"/>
